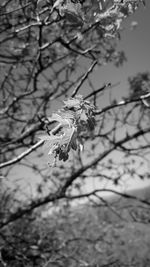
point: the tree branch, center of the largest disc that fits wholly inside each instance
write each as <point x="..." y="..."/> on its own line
<point x="22" y="155"/>
<point x="83" y="78"/>
<point x="61" y="193"/>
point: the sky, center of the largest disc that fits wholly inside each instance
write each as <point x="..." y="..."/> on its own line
<point x="136" y="45"/>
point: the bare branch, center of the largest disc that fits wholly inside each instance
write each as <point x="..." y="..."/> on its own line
<point x="22" y="155"/>
<point x="75" y="91"/>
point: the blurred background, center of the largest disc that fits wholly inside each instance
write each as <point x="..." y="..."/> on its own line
<point x="76" y="194"/>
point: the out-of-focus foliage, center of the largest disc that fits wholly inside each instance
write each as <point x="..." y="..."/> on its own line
<point x="140" y="86"/>
<point x="83" y="236"/>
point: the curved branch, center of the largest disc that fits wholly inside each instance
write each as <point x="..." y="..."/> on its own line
<point x="123" y="103"/>
<point x="22" y="155"/>
<point x="83" y="78"/>
<point x="121" y="194"/>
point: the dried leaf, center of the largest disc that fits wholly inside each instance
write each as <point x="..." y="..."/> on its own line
<point x="74" y="119"/>
<point x="51" y="142"/>
<point x="70" y="138"/>
<point x="73" y="103"/>
<point x="58" y="118"/>
<point x="73" y="13"/>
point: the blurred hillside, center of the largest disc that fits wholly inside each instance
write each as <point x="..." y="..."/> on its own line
<point x="112" y="233"/>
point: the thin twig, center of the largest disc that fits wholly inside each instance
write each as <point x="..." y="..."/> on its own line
<point x="83" y="78"/>
<point x="98" y="90"/>
<point x="22" y="155"/>
<point x="123" y="103"/>
<point x="96" y="191"/>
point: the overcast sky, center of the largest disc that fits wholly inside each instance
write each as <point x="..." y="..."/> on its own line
<point x="136" y="44"/>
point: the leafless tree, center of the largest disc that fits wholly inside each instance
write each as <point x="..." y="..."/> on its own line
<point x="49" y="51"/>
